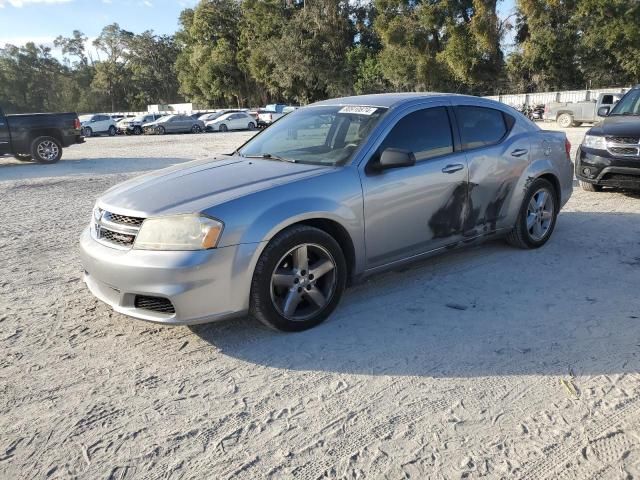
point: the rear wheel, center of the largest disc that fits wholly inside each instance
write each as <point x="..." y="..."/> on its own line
<point x="46" y="150"/>
<point x="160" y="130"/>
<point x="564" y="120"/>
<point x="137" y="130"/>
<point x="112" y="131"/>
<point x="196" y="129"/>
<point x="223" y="128"/>
<point x="251" y="126"/>
<point x="299" y="279"/>
<point x="537" y="217"/>
<point x="590" y="187"/>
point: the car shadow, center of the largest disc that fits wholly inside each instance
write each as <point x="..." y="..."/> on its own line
<point x="14" y="170"/>
<point x="571" y="306"/>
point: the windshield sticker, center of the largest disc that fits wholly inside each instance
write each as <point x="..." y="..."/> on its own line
<point x="358" y="110"/>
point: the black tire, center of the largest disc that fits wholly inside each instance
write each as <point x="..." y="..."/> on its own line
<point x="87" y="132"/>
<point x="112" y="131"/>
<point x="160" y="130"/>
<point x="251" y="126"/>
<point x="137" y="130"/>
<point x="223" y="128"/>
<point x="564" y="120"/>
<point x="196" y="129"/>
<point x="262" y="305"/>
<point x="46" y="150"/>
<point x="590" y="187"/>
<point x="520" y="236"/>
<point x="23" y="157"/>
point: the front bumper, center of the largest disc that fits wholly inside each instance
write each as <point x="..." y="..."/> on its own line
<point x="605" y="170"/>
<point x="202" y="286"/>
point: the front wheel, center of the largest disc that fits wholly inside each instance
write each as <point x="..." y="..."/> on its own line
<point x="137" y="130"/>
<point x="223" y="128"/>
<point x="87" y="132"/>
<point x="196" y="129"/>
<point x="46" y="150"/>
<point x="112" y="131"/>
<point x="537" y="217"/>
<point x="590" y="187"/>
<point x="299" y="279"/>
<point x="160" y="130"/>
<point x="251" y="126"/>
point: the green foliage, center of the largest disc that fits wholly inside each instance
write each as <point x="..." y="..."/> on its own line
<point x="253" y="52"/>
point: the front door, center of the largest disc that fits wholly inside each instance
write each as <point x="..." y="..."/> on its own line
<point x="5" y="139"/>
<point x="411" y="210"/>
<point x="496" y="162"/>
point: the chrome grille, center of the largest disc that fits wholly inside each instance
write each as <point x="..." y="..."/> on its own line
<point x="115" y="230"/>
<point x="155" y="304"/>
<point x="623" y="146"/>
<point x="123" y="219"/>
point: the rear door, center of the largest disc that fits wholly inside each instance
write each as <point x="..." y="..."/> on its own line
<point x="497" y="158"/>
<point x="5" y="139"/>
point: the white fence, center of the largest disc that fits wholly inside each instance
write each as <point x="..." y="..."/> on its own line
<point x="549" y="97"/>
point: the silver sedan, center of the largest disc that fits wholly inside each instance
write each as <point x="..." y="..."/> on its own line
<point x="328" y="195"/>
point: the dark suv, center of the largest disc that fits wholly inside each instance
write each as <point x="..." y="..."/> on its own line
<point x="610" y="152"/>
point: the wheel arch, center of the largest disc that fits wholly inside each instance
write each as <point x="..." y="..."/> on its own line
<point x="46" y="132"/>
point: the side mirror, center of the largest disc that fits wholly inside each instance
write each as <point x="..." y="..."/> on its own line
<point x="604" y="111"/>
<point x="396" y="158"/>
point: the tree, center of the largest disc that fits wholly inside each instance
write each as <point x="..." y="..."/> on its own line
<point x="546" y="57"/>
<point x="609" y="41"/>
<point x="112" y="74"/>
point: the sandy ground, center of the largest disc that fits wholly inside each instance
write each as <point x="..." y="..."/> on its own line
<point x="490" y="362"/>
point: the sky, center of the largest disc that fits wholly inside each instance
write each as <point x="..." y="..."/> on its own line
<point x="41" y="21"/>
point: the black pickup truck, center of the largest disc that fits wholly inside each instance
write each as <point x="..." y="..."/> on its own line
<point x="610" y="152"/>
<point x="40" y="136"/>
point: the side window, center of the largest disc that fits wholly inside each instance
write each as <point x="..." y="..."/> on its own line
<point x="480" y="126"/>
<point x="607" y="99"/>
<point x="426" y="133"/>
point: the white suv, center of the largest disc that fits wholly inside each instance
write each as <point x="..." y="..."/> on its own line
<point x="98" y="124"/>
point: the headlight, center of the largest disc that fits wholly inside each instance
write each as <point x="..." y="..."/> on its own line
<point x="593" y="141"/>
<point x="179" y="232"/>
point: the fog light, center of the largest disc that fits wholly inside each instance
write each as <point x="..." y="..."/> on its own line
<point x="586" y="171"/>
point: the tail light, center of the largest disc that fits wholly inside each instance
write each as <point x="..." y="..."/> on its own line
<point x="546" y="109"/>
<point x="270" y="117"/>
<point x="76" y="124"/>
<point x="567" y="147"/>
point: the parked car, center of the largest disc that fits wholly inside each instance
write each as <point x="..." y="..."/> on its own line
<point x="272" y="113"/>
<point x="121" y="125"/>
<point x="567" y="114"/>
<point x="99" y="124"/>
<point x="38" y="136"/>
<point x="174" y="124"/>
<point x="609" y="155"/>
<point x="133" y="126"/>
<point x="231" y="121"/>
<point x="333" y="192"/>
<point x="207" y="117"/>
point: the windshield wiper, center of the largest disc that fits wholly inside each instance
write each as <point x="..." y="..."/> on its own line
<point x="269" y="156"/>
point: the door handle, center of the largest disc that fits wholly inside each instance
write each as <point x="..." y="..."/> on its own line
<point x="519" y="152"/>
<point x="453" y="168"/>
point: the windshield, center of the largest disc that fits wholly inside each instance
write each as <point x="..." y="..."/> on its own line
<point x="85" y="118"/>
<point x="629" y="104"/>
<point x="166" y="118"/>
<point x="323" y="135"/>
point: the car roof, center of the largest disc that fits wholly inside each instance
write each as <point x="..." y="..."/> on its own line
<point x="387" y="100"/>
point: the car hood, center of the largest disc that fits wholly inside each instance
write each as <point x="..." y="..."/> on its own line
<point x="196" y="186"/>
<point x="618" y="126"/>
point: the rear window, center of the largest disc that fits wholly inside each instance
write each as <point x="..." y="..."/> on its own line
<point x="480" y="126"/>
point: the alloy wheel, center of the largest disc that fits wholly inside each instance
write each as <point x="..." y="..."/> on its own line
<point x="303" y="282"/>
<point x="540" y="212"/>
<point x="48" y="150"/>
